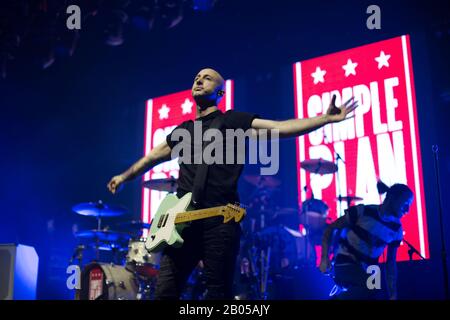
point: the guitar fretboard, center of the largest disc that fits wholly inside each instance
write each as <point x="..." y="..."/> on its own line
<point x="198" y="214"/>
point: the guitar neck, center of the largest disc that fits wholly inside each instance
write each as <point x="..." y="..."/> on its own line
<point x="198" y="214"/>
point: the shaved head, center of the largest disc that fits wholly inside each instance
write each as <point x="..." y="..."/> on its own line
<point x="208" y="86"/>
<point x="215" y="74"/>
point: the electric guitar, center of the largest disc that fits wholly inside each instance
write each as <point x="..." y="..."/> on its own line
<point x="173" y="216"/>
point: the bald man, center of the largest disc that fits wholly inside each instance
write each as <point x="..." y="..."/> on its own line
<point x="210" y="240"/>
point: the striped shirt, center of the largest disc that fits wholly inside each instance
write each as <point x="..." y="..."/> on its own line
<point x="368" y="234"/>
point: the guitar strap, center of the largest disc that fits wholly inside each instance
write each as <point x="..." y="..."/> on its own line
<point x="201" y="173"/>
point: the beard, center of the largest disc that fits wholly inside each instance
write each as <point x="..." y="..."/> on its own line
<point x="205" y="101"/>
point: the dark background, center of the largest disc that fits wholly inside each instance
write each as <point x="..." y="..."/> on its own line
<point x="66" y="130"/>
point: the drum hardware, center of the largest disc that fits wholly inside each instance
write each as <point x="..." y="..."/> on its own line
<point x="314" y="211"/>
<point x="77" y="255"/>
<point x="104" y="236"/>
<point x="348" y="199"/>
<point x="101" y="239"/>
<point x="195" y="288"/>
<point x="271" y="230"/>
<point x="262" y="182"/>
<point x="268" y="253"/>
<point x="104" y="240"/>
<point x="266" y="244"/>
<point x="338" y="180"/>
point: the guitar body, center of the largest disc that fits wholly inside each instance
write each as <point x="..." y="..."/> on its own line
<point x="163" y="230"/>
<point x="173" y="216"/>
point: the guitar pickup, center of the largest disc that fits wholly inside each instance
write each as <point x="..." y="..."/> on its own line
<point x="160" y="221"/>
<point x="165" y="220"/>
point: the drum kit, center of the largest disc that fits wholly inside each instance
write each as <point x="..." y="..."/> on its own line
<point x="276" y="238"/>
<point x="120" y="267"/>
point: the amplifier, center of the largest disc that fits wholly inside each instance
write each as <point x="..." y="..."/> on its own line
<point x="18" y="272"/>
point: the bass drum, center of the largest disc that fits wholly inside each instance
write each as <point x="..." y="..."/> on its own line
<point x="100" y="281"/>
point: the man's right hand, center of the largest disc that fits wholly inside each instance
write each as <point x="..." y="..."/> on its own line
<point x="115" y="184"/>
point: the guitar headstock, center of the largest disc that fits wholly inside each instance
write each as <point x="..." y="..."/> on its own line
<point x="233" y="211"/>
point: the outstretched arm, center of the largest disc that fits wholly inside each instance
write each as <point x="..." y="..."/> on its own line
<point x="157" y="155"/>
<point x="297" y="127"/>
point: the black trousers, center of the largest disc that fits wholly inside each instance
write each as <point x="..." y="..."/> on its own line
<point x="352" y="277"/>
<point x="216" y="244"/>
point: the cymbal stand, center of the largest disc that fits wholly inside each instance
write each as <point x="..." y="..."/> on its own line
<point x="78" y="255"/>
<point x="99" y="226"/>
<point x="146" y="287"/>
<point x="265" y="266"/>
<point x="307" y="228"/>
<point x="253" y="275"/>
<point x="338" y="157"/>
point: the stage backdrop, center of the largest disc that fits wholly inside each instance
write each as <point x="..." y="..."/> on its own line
<point x="163" y="114"/>
<point x="380" y="142"/>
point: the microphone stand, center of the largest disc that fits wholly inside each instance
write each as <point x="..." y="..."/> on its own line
<point x="435" y="150"/>
<point x="412" y="250"/>
<point x="338" y="157"/>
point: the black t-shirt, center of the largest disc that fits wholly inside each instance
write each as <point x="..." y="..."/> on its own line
<point x="221" y="184"/>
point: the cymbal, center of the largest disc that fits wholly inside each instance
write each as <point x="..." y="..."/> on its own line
<point x="262" y="181"/>
<point x="103" y="235"/>
<point x="314" y="214"/>
<point x="279" y="230"/>
<point x="134" y="225"/>
<point x="168" y="185"/>
<point x="348" y="198"/>
<point x="99" y="209"/>
<point x="319" y="166"/>
<point x="294" y="233"/>
<point x="107" y="246"/>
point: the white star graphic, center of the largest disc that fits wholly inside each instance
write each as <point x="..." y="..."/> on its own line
<point x="187" y="106"/>
<point x="350" y="68"/>
<point x="163" y="112"/>
<point x="382" y="60"/>
<point x="318" y="75"/>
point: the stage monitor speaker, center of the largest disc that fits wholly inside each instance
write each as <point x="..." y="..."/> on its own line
<point x="18" y="272"/>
